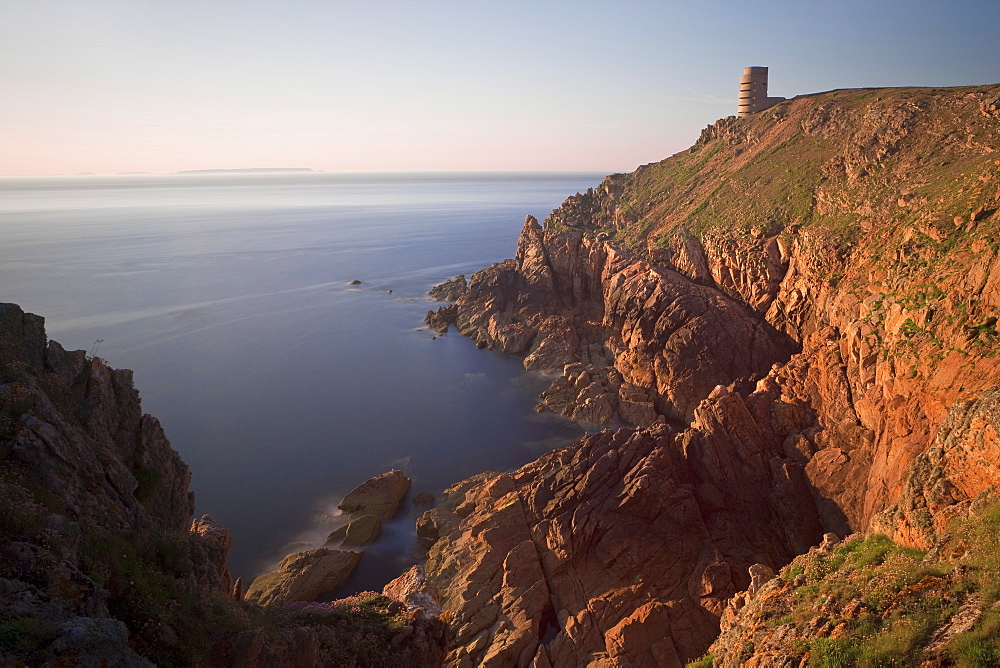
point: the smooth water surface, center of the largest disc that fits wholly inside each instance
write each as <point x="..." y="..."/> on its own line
<point x="281" y="385"/>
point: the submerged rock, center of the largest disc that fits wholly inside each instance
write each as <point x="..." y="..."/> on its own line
<point x="423" y="499"/>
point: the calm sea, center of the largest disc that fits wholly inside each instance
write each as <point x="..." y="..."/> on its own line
<point x="282" y="386"/>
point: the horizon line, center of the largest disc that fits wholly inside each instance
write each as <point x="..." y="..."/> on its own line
<point x="251" y="171"/>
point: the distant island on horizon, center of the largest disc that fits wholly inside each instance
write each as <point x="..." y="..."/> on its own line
<point x="249" y="170"/>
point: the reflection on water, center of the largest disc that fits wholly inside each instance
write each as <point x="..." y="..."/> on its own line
<point x="281" y="385"/>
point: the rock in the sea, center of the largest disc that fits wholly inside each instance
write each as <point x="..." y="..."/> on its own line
<point x="303" y="576"/>
<point x="450" y="290"/>
<point x="441" y="318"/>
<point x="423" y="499"/>
<point x="379" y="496"/>
<point x="355" y="282"/>
<point x="357" y="532"/>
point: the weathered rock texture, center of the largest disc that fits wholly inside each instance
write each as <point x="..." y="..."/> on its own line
<point x="804" y="297"/>
<point x="628" y="336"/>
<point x="379" y="496"/>
<point x="92" y="493"/>
<point x="303" y="576"/>
<point x="624" y="548"/>
<point x="450" y="290"/>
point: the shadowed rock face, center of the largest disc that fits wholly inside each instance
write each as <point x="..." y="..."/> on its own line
<point x="100" y="563"/>
<point x="88" y="482"/>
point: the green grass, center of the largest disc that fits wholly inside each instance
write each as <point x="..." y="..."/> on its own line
<point x="703" y="662"/>
<point x="896" y="600"/>
<point x="832" y="653"/>
<point x="980" y="647"/>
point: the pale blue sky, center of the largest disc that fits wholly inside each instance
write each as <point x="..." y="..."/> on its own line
<point x="165" y="85"/>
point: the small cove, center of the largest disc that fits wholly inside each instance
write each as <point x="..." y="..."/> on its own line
<point x="281" y="385"/>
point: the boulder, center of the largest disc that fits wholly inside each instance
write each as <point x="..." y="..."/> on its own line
<point x="379" y="496"/>
<point x="437" y="522"/>
<point x="303" y="576"/>
<point x="357" y="532"/>
<point x="423" y="499"/>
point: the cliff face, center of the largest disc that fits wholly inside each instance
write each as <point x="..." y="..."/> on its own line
<point x="832" y="263"/>
<point x="93" y="496"/>
<point x="100" y="562"/>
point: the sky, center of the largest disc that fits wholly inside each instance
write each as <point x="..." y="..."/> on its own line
<point x="111" y="86"/>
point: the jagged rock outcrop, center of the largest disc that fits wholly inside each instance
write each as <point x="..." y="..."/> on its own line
<point x="442" y="318"/>
<point x="805" y="296"/>
<point x="625" y="547"/>
<point x="450" y="290"/>
<point x="217" y="542"/>
<point x="628" y="337"/>
<point x="93" y="495"/>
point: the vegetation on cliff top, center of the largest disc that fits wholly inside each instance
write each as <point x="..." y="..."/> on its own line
<point x="822" y="160"/>
<point x="870" y="602"/>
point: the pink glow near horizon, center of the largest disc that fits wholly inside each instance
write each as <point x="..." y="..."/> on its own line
<point x="151" y="86"/>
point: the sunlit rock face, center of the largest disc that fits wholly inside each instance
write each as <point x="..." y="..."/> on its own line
<point x="801" y="311"/>
<point x="625" y="546"/>
<point x="628" y="338"/>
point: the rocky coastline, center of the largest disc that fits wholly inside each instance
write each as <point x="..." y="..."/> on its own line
<point x="796" y="321"/>
<point x="798" y="314"/>
<point x="101" y="563"/>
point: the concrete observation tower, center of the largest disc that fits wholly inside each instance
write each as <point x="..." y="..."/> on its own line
<point x="753" y="92"/>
